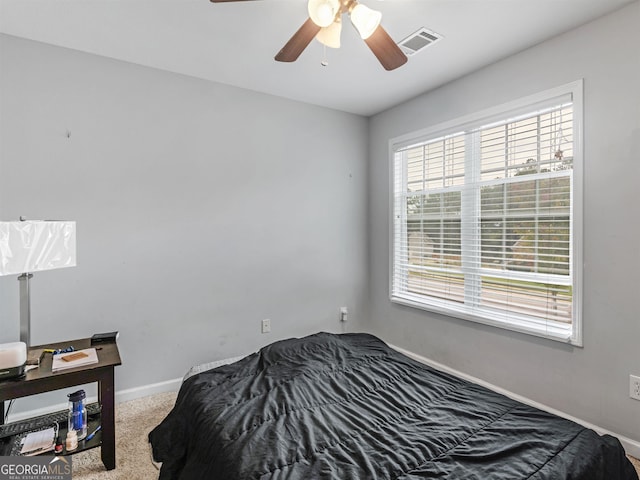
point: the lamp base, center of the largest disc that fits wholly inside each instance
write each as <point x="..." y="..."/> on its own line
<point x="13" y="372"/>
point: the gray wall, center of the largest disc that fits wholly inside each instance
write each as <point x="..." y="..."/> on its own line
<point x="591" y="383"/>
<point x="188" y="235"/>
<point x="201" y="209"/>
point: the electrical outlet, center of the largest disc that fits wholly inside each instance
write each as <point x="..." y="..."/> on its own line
<point x="634" y="387"/>
<point x="266" y="325"/>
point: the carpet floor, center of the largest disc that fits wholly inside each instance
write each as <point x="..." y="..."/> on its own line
<point x="134" y="421"/>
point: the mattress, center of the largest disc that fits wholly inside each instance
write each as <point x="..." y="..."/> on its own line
<point x="203" y="367"/>
<point x="350" y="407"/>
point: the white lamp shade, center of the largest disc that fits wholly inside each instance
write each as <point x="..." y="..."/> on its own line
<point x="33" y="246"/>
<point x="330" y="36"/>
<point x="365" y="20"/>
<point x="323" y="12"/>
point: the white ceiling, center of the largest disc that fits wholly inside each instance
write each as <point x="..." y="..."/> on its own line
<point x="234" y="43"/>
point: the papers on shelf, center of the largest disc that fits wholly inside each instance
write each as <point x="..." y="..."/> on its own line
<point x="35" y="443"/>
<point x="75" y="359"/>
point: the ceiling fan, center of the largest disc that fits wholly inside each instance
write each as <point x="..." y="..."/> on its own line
<point x="325" y="24"/>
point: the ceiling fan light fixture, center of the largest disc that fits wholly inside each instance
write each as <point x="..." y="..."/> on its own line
<point x="365" y="20"/>
<point x="330" y="36"/>
<point x="323" y="12"/>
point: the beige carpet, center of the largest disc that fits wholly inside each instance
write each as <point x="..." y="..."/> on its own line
<point x="134" y="421"/>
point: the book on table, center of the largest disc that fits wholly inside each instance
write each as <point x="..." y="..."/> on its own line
<point x="79" y="358"/>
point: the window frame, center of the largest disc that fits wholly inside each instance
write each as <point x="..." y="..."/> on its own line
<point x="502" y="112"/>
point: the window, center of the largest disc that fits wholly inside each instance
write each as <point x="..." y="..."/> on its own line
<point x="486" y="216"/>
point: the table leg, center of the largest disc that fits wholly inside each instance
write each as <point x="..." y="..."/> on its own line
<point x="1" y="412"/>
<point x="106" y="393"/>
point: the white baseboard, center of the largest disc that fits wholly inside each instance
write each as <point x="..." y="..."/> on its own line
<point x="121" y="396"/>
<point x="632" y="447"/>
<point x="146" y="390"/>
<point x="130" y="393"/>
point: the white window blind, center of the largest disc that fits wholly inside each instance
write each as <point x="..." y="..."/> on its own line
<point x="484" y="222"/>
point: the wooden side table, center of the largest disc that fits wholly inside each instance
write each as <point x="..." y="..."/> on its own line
<point x="42" y="379"/>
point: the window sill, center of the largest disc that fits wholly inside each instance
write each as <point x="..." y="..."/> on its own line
<point x="556" y="332"/>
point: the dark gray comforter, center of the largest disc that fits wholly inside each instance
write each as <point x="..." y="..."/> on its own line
<point x="349" y="407"/>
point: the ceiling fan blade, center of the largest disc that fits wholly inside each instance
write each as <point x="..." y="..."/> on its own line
<point x="296" y="44"/>
<point x="385" y="49"/>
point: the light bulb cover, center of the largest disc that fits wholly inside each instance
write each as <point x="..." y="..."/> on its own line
<point x="365" y="20"/>
<point x="323" y="12"/>
<point x="330" y="36"/>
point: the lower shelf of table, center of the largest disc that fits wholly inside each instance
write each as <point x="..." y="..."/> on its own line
<point x="6" y="444"/>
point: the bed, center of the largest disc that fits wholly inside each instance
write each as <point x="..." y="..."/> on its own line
<point x="348" y="406"/>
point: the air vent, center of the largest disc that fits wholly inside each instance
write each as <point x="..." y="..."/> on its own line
<point x="418" y="41"/>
